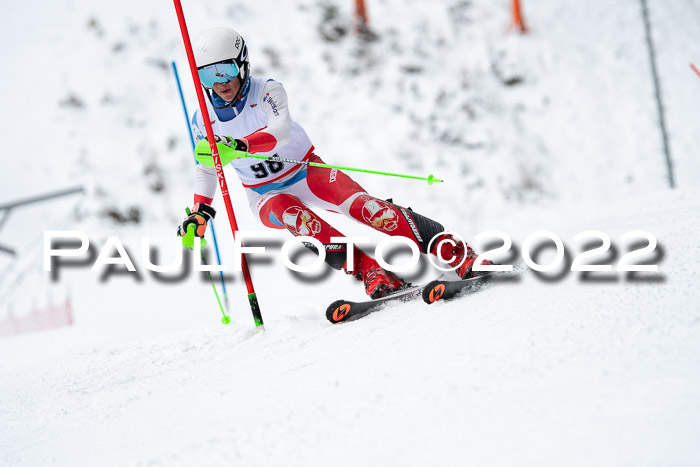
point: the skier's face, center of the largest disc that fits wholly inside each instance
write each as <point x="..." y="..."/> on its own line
<point x="227" y="91"/>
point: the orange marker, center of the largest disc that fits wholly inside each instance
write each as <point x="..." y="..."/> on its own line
<point x="695" y="69"/>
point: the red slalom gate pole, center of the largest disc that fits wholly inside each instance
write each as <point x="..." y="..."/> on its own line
<point x="252" y="299"/>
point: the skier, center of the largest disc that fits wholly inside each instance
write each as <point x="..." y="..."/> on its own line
<point x="251" y="114"/>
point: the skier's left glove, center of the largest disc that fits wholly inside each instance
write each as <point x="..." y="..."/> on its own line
<point x="195" y="225"/>
<point x="229" y="149"/>
<point x="233" y="143"/>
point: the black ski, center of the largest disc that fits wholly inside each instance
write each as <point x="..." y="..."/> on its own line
<point x="344" y="310"/>
<point x="444" y="290"/>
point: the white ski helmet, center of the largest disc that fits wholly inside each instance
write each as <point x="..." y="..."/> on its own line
<point x="217" y="45"/>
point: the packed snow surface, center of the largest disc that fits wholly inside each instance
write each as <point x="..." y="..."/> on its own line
<point x="556" y="130"/>
<point x="529" y="373"/>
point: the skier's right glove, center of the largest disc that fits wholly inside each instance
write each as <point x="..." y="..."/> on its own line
<point x="228" y="147"/>
<point x="195" y="225"/>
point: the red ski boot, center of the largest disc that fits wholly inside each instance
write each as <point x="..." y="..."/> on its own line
<point x="380" y="282"/>
<point x="459" y="252"/>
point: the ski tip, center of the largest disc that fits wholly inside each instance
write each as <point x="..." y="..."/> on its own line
<point x="338" y="311"/>
<point x="433" y="292"/>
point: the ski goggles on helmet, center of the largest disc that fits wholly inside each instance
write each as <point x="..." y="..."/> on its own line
<point x="221" y="72"/>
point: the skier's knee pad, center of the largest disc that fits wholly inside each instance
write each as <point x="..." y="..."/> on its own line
<point x="278" y="209"/>
<point x="422" y="228"/>
<point x="393" y="219"/>
<point x="302" y="221"/>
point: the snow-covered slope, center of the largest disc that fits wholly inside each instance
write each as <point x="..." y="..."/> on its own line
<point x="554" y="130"/>
<point x="527" y="373"/>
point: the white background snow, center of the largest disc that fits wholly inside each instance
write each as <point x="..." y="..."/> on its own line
<point x="563" y="371"/>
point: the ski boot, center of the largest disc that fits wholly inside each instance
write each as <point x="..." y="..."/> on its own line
<point x="460" y="253"/>
<point x="380" y="283"/>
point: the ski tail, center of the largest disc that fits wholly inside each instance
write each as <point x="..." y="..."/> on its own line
<point x="444" y="290"/>
<point x="345" y="310"/>
<point x="433" y="292"/>
<point x="339" y="310"/>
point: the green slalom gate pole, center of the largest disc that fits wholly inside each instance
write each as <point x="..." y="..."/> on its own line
<point x="430" y="178"/>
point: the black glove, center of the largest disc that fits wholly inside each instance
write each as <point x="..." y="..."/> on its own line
<point x="199" y="218"/>
<point x="229" y="149"/>
<point x="237" y="144"/>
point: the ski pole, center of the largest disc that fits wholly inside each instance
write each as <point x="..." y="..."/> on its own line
<point x="252" y="297"/>
<point x="695" y="69"/>
<point x="225" y="319"/>
<point x="205" y="158"/>
<point x="430" y="178"/>
<point x="211" y="221"/>
<point x="190" y="233"/>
